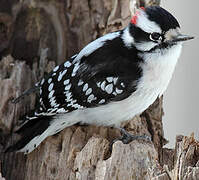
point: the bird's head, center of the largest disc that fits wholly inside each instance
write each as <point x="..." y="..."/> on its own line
<point x="153" y="28"/>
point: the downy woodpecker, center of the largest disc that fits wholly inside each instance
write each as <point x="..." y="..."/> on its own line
<point x="112" y="79"/>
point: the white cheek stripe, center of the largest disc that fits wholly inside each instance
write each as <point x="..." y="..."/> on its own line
<point x="145" y="46"/>
<point x="91" y="47"/>
<point x="145" y="24"/>
<point x="127" y="38"/>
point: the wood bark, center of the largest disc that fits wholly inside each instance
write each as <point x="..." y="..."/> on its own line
<point x="38" y="34"/>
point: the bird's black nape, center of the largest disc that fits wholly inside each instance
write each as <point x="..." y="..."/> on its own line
<point x="162" y="17"/>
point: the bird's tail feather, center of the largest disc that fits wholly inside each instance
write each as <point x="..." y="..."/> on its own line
<point x="33" y="132"/>
<point x="36" y="129"/>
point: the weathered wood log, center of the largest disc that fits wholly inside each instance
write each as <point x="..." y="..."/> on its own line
<point x="181" y="163"/>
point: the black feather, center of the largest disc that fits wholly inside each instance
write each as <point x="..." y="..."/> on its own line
<point x="162" y="17"/>
<point x="113" y="59"/>
<point x="30" y="130"/>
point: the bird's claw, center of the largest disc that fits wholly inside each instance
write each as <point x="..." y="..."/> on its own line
<point x="127" y="137"/>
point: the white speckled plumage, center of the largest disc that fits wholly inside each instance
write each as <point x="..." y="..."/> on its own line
<point x="67" y="64"/>
<point x="50" y="87"/>
<point x="85" y="87"/>
<point x="109" y="88"/>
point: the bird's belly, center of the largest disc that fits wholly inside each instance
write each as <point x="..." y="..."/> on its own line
<point x="116" y="112"/>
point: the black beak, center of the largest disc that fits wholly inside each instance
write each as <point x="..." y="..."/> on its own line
<point x="181" y="37"/>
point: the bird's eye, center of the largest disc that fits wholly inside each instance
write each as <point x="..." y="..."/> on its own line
<point x="155" y="36"/>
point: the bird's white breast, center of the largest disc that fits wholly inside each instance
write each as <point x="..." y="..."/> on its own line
<point x="157" y="72"/>
<point x="158" y="69"/>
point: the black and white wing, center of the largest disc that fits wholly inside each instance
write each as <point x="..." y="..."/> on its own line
<point x="103" y="72"/>
<point x="108" y="73"/>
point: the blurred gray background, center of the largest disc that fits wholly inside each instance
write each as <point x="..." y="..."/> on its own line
<point x="181" y="100"/>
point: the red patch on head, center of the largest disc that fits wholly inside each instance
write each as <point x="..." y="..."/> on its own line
<point x="143" y="8"/>
<point x="135" y="17"/>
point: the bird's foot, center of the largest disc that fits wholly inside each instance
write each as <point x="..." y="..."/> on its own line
<point x="127" y="137"/>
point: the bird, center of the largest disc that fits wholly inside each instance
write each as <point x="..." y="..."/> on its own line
<point x="112" y="79"/>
